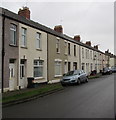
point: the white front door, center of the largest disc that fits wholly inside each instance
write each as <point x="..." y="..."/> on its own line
<point x="12" y="76"/>
<point x="22" y="74"/>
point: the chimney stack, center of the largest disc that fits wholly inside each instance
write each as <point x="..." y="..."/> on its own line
<point x="58" y="28"/>
<point x="77" y="38"/>
<point x="88" y="43"/>
<point x="96" y="47"/>
<point x="25" y="12"/>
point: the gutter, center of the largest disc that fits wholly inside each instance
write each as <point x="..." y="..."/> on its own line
<point x="3" y="52"/>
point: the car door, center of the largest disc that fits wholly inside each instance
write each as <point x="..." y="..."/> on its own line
<point x="84" y="76"/>
<point x="81" y="76"/>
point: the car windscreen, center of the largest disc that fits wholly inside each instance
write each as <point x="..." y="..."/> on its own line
<point x="69" y="73"/>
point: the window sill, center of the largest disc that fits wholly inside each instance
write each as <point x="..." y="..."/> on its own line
<point x="58" y="76"/>
<point x="38" y="78"/>
<point x="38" y="49"/>
<point x="58" y="52"/>
<point x="23" y="47"/>
<point x="13" y="45"/>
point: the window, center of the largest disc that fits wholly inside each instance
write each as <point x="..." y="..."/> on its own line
<point x="83" y="66"/>
<point x="86" y="54"/>
<point x="74" y="50"/>
<point x="91" y="54"/>
<point x="65" y="67"/>
<point x="74" y="65"/>
<point x="65" y="47"/>
<point x="57" y="67"/>
<point x="38" y="68"/>
<point x="82" y="52"/>
<point x="69" y="66"/>
<point x="68" y="48"/>
<point x="57" y="46"/>
<point x="13" y="33"/>
<point x="24" y="41"/>
<point x="38" y="40"/>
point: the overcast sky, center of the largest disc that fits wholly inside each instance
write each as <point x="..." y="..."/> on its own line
<point x="91" y="20"/>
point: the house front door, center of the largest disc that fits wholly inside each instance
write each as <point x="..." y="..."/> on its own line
<point x="12" y="76"/>
<point x="22" y="74"/>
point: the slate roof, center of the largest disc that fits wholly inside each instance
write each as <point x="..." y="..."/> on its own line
<point x="41" y="27"/>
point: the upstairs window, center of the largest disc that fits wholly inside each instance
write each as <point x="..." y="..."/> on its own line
<point x="68" y="48"/>
<point x="86" y="54"/>
<point x="38" y="40"/>
<point x="13" y="33"/>
<point x="58" y="46"/>
<point x="82" y="52"/>
<point x="74" y="50"/>
<point x="24" y="39"/>
<point x="65" y="47"/>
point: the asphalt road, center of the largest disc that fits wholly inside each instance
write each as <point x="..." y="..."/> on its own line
<point x="94" y="99"/>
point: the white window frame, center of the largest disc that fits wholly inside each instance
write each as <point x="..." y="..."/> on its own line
<point x="38" y="65"/>
<point x="38" y="40"/>
<point x="69" y="49"/>
<point x="86" y="53"/>
<point x="83" y="66"/>
<point x="75" y="53"/>
<point x="23" y="35"/>
<point x="58" y="45"/>
<point x="58" y="63"/>
<point x="65" y="67"/>
<point x="13" y="31"/>
<point x="65" y="47"/>
<point x="82" y="52"/>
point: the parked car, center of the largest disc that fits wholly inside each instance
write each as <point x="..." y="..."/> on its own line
<point x="75" y="76"/>
<point x="113" y="68"/>
<point x="107" y="71"/>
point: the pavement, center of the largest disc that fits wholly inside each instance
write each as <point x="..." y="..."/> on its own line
<point x="94" y="99"/>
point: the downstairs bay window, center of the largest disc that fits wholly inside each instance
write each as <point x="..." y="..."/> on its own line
<point x="38" y="68"/>
<point x="58" y="68"/>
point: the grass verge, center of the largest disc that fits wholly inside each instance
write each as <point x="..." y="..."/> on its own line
<point x="95" y="76"/>
<point x="19" y="95"/>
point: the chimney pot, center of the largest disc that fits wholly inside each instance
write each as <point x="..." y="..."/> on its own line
<point x="96" y="47"/>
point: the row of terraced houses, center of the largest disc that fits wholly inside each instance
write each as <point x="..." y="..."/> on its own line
<point x="30" y="49"/>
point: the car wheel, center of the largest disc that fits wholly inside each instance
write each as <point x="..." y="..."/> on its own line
<point x="78" y="82"/>
<point x="63" y="85"/>
<point x="86" y="79"/>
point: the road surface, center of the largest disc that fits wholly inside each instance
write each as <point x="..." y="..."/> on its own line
<point x="94" y="99"/>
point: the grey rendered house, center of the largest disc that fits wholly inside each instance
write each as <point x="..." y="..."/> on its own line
<point x="25" y="48"/>
<point x="11" y="43"/>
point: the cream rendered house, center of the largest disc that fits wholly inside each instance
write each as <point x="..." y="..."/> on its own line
<point x="73" y="56"/>
<point x="32" y="55"/>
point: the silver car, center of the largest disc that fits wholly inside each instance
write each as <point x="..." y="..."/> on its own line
<point x="72" y="77"/>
